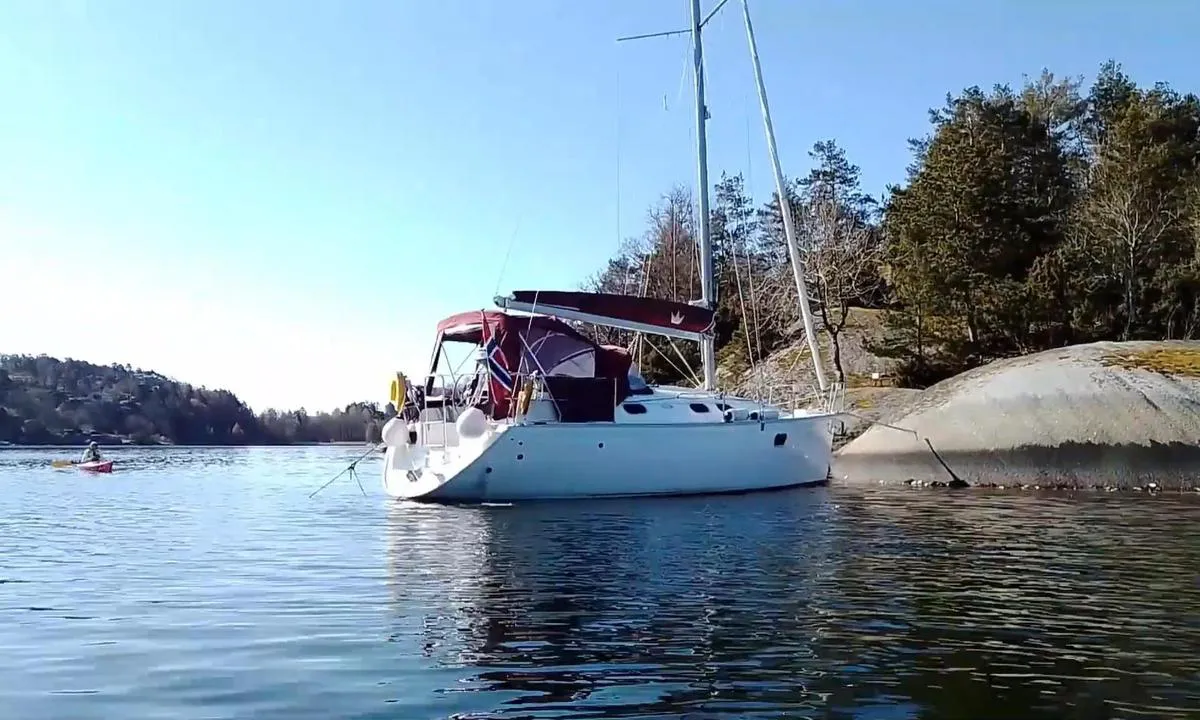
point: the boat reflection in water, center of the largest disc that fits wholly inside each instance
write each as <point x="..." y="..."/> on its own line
<point x="650" y="604"/>
<point x="833" y="602"/>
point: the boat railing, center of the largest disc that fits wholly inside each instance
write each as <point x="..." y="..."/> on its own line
<point x="790" y="396"/>
<point x="835" y="398"/>
<point x="797" y="396"/>
<point x="433" y="406"/>
<point x="432" y="409"/>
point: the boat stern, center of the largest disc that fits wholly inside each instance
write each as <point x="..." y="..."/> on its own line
<point x="422" y="458"/>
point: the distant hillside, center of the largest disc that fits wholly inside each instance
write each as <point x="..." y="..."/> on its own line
<point x="44" y="400"/>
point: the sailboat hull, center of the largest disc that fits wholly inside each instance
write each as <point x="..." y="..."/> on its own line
<point x="590" y="460"/>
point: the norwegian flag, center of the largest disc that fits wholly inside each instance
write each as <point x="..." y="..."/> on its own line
<point x="496" y="364"/>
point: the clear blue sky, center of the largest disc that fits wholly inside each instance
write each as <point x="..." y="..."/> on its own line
<point x="281" y="197"/>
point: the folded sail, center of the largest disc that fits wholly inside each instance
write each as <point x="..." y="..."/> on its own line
<point x="628" y="312"/>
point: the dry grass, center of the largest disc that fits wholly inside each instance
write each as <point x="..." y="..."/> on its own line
<point x="862" y="402"/>
<point x="1184" y="361"/>
<point x="863" y="380"/>
<point x="867" y="398"/>
<point x="855" y="380"/>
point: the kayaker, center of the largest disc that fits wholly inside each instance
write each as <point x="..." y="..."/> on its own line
<point x="92" y="454"/>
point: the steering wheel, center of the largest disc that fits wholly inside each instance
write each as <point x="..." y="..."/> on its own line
<point x="465" y="388"/>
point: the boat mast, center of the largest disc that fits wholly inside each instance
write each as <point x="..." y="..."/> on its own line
<point x="707" y="285"/>
<point x="708" y="289"/>
<point x="789" y="229"/>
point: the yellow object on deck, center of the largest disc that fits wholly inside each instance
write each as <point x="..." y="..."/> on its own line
<point x="399" y="388"/>
<point x="524" y="396"/>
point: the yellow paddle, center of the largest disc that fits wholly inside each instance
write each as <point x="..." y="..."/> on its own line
<point x="63" y="463"/>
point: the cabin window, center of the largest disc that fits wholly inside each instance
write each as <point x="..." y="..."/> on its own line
<point x="557" y="354"/>
<point x="634" y="408"/>
<point x="780" y="439"/>
<point x="699" y="407"/>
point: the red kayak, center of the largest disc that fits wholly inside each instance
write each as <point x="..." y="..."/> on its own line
<point x="100" y="466"/>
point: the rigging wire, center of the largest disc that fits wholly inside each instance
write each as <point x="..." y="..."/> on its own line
<point x="737" y="276"/>
<point x="504" y="265"/>
<point x="684" y="371"/>
<point x="618" y="153"/>
<point x="750" y="194"/>
<point x="691" y="371"/>
<point x="683" y="75"/>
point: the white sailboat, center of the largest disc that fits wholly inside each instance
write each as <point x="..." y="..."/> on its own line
<point x="551" y="414"/>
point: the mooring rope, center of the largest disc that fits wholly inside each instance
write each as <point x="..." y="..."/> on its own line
<point x="949" y="471"/>
<point x="349" y="468"/>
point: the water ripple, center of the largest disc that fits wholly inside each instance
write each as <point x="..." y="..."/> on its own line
<point x="204" y="583"/>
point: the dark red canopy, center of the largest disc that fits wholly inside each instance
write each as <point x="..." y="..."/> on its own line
<point x="535" y="343"/>
<point x="468" y="326"/>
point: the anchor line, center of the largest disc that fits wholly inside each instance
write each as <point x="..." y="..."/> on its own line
<point x="349" y="469"/>
<point x="953" y="475"/>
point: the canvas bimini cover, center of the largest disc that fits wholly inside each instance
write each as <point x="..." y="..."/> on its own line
<point x="516" y="346"/>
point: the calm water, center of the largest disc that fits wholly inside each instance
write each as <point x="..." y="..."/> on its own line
<point x="206" y="584"/>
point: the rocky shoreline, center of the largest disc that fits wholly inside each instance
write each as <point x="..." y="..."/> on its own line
<point x="1104" y="416"/>
<point x="1148" y="488"/>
